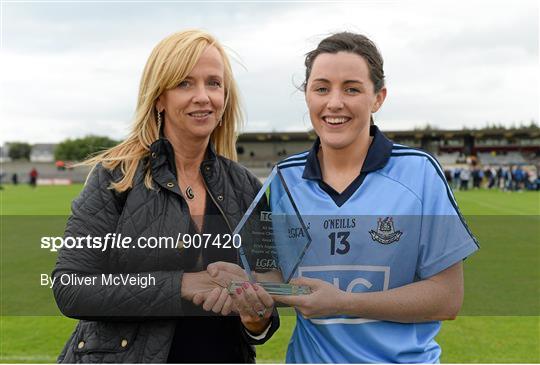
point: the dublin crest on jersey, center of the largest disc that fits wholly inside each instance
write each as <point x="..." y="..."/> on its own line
<point x="385" y="232"/>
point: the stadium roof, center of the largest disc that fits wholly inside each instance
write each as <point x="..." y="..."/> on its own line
<point x="416" y="134"/>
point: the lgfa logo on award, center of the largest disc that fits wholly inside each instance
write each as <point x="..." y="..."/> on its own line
<point x="385" y="233"/>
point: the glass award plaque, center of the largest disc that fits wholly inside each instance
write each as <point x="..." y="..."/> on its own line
<point x="274" y="239"/>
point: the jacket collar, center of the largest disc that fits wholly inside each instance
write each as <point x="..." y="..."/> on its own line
<point x="163" y="165"/>
<point x="377" y="156"/>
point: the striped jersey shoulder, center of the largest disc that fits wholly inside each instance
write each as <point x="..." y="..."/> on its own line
<point x="410" y="167"/>
<point x="435" y="169"/>
<point x="399" y="150"/>
<point x="298" y="159"/>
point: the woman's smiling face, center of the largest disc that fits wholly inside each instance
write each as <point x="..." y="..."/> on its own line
<point x="340" y="97"/>
<point x="194" y="108"/>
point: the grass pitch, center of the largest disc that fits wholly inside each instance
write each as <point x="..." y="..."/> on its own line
<point x="500" y="321"/>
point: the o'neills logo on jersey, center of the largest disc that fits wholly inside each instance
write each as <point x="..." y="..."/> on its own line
<point x="385" y="232"/>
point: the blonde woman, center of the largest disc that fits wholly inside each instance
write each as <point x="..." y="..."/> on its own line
<point x="174" y="176"/>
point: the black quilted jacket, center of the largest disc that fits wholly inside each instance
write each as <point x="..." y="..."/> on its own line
<point x="128" y="324"/>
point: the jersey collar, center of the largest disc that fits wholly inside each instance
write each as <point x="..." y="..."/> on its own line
<point x="377" y="156"/>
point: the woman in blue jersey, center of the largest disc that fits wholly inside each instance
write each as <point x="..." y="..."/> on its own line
<point x="385" y="263"/>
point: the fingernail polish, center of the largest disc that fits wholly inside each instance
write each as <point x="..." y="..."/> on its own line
<point x="245" y="285"/>
<point x="238" y="291"/>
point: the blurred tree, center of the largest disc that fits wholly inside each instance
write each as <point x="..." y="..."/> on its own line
<point x="427" y="127"/>
<point x="19" y="150"/>
<point x="82" y="148"/>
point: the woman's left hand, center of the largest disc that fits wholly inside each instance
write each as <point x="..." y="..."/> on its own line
<point x="325" y="299"/>
<point x="254" y="305"/>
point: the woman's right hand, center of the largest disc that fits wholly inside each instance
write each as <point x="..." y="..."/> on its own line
<point x="210" y="287"/>
<point x="196" y="282"/>
<point x="218" y="299"/>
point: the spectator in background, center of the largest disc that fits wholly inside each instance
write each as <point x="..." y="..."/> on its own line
<point x="519" y="178"/>
<point x="456" y="180"/>
<point x="493" y="172"/>
<point x="60" y="165"/>
<point x="477" y="175"/>
<point x="464" y="176"/>
<point x="507" y="178"/>
<point x="490" y="173"/>
<point x="513" y="184"/>
<point x="528" y="181"/>
<point x="448" y="176"/>
<point x="536" y="178"/>
<point x="33" y="177"/>
<point x="500" y="178"/>
<point x="487" y="173"/>
<point x="14" y="179"/>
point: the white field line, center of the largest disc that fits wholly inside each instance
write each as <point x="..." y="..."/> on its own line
<point x="499" y="208"/>
<point x="31" y="358"/>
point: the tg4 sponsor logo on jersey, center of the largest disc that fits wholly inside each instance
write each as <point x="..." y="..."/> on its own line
<point x="349" y="278"/>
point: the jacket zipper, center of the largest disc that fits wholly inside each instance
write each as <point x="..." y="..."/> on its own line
<point x="223" y="214"/>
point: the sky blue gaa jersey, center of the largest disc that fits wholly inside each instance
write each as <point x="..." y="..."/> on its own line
<point x="396" y="223"/>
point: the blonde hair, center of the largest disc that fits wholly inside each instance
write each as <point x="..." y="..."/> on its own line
<point x="170" y="62"/>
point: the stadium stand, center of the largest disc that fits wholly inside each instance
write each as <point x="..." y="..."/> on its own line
<point x="259" y="151"/>
<point x="448" y="158"/>
<point x="510" y="158"/>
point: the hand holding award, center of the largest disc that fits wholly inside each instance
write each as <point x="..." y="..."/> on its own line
<point x="274" y="239"/>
